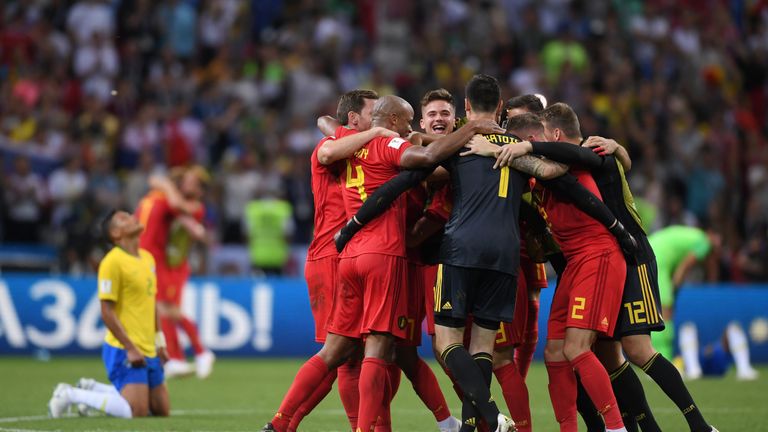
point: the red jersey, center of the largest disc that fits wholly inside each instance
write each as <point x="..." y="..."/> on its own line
<point x="441" y="205"/>
<point x="574" y="230"/>
<point x="372" y="166"/>
<point x="163" y="236"/>
<point x="330" y="216"/>
<point x="415" y="201"/>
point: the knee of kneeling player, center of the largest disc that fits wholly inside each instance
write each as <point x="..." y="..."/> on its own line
<point x="139" y="410"/>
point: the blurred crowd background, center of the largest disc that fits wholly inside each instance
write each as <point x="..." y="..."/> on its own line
<point x="95" y="95"/>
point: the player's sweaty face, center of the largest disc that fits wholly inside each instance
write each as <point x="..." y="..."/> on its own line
<point x="127" y="223"/>
<point x="438" y="117"/>
<point x="366" y="115"/>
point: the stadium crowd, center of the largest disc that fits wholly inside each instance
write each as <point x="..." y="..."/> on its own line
<point x="95" y="95"/>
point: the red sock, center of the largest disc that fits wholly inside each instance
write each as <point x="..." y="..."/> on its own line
<point x="190" y="328"/>
<point x="426" y="386"/>
<point x="310" y="404"/>
<point x="524" y="353"/>
<point x="598" y="386"/>
<point x="384" y="423"/>
<point x="349" y="381"/>
<point x="375" y="391"/>
<point x="171" y="339"/>
<point x="562" y="392"/>
<point x="310" y="376"/>
<point x="516" y="395"/>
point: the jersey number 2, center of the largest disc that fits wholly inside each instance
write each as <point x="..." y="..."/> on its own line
<point x="358" y="181"/>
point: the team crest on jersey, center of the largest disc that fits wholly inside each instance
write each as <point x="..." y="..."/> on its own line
<point x="402" y="322"/>
<point x="395" y="143"/>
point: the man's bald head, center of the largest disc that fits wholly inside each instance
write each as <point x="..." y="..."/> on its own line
<point x="393" y="113"/>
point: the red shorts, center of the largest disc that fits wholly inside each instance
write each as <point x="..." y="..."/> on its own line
<point x="170" y="283"/>
<point x="370" y="297"/>
<point x="322" y="277"/>
<point x="430" y="276"/>
<point x="589" y="294"/>
<point x="415" y="299"/>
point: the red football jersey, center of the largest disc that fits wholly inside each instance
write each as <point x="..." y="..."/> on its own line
<point x="167" y="241"/>
<point x="372" y="166"/>
<point x="330" y="216"/>
<point x="441" y="205"/>
<point x="415" y="201"/>
<point x="575" y="231"/>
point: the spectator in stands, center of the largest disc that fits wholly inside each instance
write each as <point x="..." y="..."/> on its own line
<point x="240" y="186"/>
<point x="66" y="187"/>
<point x="26" y="192"/>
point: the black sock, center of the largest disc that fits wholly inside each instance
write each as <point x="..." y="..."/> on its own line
<point x="468" y="411"/>
<point x="631" y="399"/>
<point x="472" y="381"/>
<point x="669" y="380"/>
<point x="587" y="409"/>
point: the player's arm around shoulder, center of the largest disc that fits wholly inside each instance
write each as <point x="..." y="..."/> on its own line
<point x="606" y="146"/>
<point x="445" y="147"/>
<point x="333" y="150"/>
<point x="542" y="169"/>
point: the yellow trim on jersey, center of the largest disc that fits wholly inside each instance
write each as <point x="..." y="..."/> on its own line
<point x="438" y="288"/>
<point x="653" y="311"/>
<point x="644" y="292"/>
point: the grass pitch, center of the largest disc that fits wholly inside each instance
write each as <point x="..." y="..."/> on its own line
<point x="243" y="394"/>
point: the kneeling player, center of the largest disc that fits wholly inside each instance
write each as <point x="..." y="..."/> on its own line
<point x="133" y="346"/>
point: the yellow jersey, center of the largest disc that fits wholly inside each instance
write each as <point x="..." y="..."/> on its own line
<point x="130" y="282"/>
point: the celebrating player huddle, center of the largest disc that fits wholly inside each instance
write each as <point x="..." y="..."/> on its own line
<point x="454" y="226"/>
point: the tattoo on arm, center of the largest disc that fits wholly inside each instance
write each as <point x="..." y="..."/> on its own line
<point x="529" y="165"/>
<point x="537" y="167"/>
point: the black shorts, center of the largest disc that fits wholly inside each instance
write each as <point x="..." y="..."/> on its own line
<point x="485" y="294"/>
<point x="640" y="305"/>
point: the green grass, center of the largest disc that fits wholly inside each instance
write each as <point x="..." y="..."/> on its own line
<point x="243" y="394"/>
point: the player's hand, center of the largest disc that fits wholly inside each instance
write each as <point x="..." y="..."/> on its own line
<point x="601" y="146"/>
<point x="416" y="138"/>
<point x="384" y="132"/>
<point x="345" y="234"/>
<point x="135" y="358"/>
<point x="626" y="241"/>
<point x="508" y="152"/>
<point x="162" y="354"/>
<point x="480" y="146"/>
<point x="486" y="127"/>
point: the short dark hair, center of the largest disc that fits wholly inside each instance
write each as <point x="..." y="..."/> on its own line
<point x="437" y="94"/>
<point x="353" y="101"/>
<point x="561" y="116"/>
<point x="529" y="102"/>
<point x="522" y="123"/>
<point x="106" y="225"/>
<point x="484" y="93"/>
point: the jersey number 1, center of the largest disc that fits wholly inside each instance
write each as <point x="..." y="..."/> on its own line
<point x="357" y="181"/>
<point x="503" y="182"/>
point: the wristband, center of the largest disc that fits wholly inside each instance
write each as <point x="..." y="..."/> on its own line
<point x="159" y="340"/>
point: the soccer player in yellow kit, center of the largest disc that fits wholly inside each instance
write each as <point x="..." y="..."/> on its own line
<point x="134" y="348"/>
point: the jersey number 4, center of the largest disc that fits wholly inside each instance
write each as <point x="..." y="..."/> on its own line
<point x="358" y="181"/>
